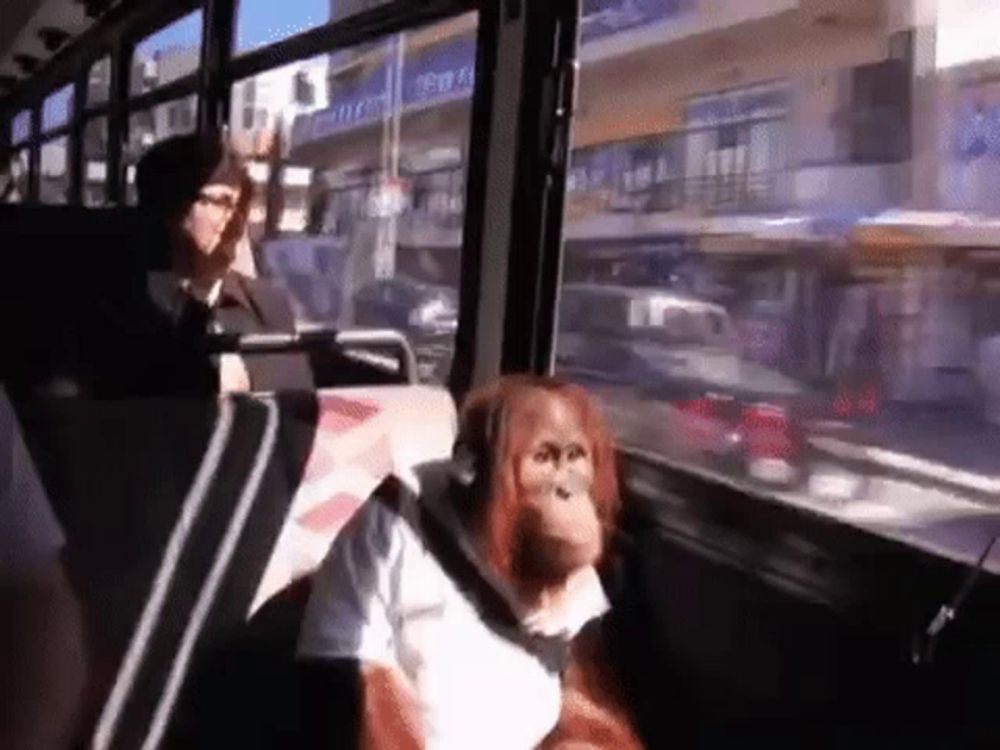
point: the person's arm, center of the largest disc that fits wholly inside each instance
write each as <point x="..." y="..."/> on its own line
<point x="41" y="649"/>
<point x="354" y="693"/>
<point x="41" y="637"/>
<point x="595" y="714"/>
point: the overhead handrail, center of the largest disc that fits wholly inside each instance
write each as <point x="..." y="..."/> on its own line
<point x="316" y="339"/>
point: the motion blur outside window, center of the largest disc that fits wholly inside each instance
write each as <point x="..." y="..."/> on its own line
<point x="782" y="263"/>
<point x="359" y="159"/>
<point x="150" y="126"/>
<point x="14" y="182"/>
<point x="53" y="184"/>
<point x="99" y="83"/>
<point x="170" y="54"/>
<point x="95" y="162"/>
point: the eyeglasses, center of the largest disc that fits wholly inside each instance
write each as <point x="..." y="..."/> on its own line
<point x="228" y="202"/>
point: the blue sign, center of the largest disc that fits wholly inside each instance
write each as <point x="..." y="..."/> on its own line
<point x="431" y="76"/>
<point x="632" y="166"/>
<point x="603" y="18"/>
<point x="978" y="132"/>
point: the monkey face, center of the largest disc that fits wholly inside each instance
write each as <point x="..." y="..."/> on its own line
<point x="559" y="529"/>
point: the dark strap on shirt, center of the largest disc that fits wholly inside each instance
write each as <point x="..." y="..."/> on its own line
<point x="492" y="606"/>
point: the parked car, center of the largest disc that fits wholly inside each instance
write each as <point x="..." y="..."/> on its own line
<point x="679" y="350"/>
<point x="426" y="314"/>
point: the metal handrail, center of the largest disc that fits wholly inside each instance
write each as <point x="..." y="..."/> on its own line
<point x="318" y="339"/>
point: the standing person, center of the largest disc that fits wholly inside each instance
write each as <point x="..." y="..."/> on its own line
<point x="41" y="635"/>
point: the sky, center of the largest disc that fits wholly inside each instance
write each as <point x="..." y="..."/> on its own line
<point x="259" y="22"/>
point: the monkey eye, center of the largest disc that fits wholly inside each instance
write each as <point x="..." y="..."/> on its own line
<point x="542" y="455"/>
<point x="576" y="452"/>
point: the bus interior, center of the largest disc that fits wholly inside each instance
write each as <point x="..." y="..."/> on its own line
<point x="761" y="232"/>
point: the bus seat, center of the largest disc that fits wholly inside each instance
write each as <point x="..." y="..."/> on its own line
<point x="142" y="548"/>
<point x="69" y="261"/>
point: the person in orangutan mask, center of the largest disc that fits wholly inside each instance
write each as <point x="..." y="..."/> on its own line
<point x="460" y="595"/>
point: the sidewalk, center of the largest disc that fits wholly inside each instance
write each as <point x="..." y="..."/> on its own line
<point x="955" y="447"/>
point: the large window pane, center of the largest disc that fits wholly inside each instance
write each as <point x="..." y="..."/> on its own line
<point x="171" y="53"/>
<point x="20" y="127"/>
<point x="782" y="263"/>
<point x="362" y="227"/>
<point x="149" y="126"/>
<point x="57" y="109"/>
<point x="99" y="83"/>
<point x="14" y="183"/>
<point x="53" y="184"/>
<point x="263" y="22"/>
<point x="95" y="162"/>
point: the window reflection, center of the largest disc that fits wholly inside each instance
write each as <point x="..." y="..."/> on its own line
<point x="168" y="55"/>
<point x="53" y="185"/>
<point x="783" y="252"/>
<point x="364" y="229"/>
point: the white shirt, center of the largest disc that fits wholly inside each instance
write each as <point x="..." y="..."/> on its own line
<point x="381" y="597"/>
<point x="30" y="535"/>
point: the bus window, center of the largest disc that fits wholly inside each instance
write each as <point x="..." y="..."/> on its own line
<point x="95" y="162"/>
<point x="99" y="83"/>
<point x="263" y="22"/>
<point x="57" y="109"/>
<point x="54" y="181"/>
<point x="20" y="127"/>
<point x="810" y="285"/>
<point x="171" y="53"/>
<point x="146" y="127"/>
<point x="14" y="188"/>
<point x="359" y="160"/>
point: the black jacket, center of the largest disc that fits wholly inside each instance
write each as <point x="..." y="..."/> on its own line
<point x="148" y="348"/>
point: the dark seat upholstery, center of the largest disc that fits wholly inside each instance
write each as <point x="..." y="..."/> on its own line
<point x="120" y="474"/>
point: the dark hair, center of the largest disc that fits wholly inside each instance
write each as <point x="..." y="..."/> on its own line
<point x="171" y="173"/>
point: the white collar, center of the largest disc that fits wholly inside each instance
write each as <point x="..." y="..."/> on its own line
<point x="163" y="286"/>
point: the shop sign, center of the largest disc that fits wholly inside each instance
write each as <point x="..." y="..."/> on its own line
<point x="977" y="131"/>
<point x="633" y="166"/>
<point x="603" y="18"/>
<point x="762" y="102"/>
<point x="434" y="76"/>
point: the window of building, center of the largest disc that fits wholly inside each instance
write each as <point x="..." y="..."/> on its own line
<point x="263" y="22"/>
<point x="95" y="162"/>
<point x="20" y="127"/>
<point x="153" y="125"/>
<point x="806" y="256"/>
<point x="57" y="109"/>
<point x="53" y="182"/>
<point x="170" y="54"/>
<point x="99" y="83"/>
<point x="336" y="211"/>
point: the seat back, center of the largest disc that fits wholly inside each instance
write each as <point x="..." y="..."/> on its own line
<point x="183" y="516"/>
